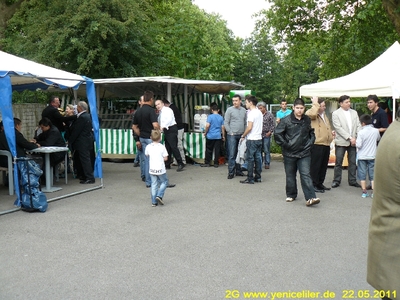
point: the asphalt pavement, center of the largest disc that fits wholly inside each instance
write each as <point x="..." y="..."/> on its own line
<point x="213" y="239"/>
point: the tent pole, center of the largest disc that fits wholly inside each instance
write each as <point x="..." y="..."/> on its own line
<point x="169" y="94"/>
<point x="185" y="101"/>
<point x="75" y="96"/>
<point x="393" y="109"/>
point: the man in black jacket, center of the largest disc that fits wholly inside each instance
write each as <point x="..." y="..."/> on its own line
<point x="81" y="143"/>
<point x="22" y="144"/>
<point x="51" y="136"/>
<point x="296" y="136"/>
<point x="53" y="114"/>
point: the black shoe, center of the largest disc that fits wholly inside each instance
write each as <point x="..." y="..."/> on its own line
<point x="180" y="167"/>
<point x="257" y="179"/>
<point x="322" y="187"/>
<point x="216" y="165"/>
<point x="240" y="174"/>
<point x="205" y="165"/>
<point x="135" y="165"/>
<point x="369" y="187"/>
<point x="355" y="184"/>
<point x="168" y="167"/>
<point x="143" y="179"/>
<point x="247" y="181"/>
<point x="171" y="185"/>
<point x="335" y="184"/>
<point x="87" y="181"/>
<point x="318" y="190"/>
<point x="159" y="200"/>
<point x="230" y="176"/>
<point x="148" y="186"/>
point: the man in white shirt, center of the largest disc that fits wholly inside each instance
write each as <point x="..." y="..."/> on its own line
<point x="347" y="125"/>
<point x="253" y="137"/>
<point x="167" y="122"/>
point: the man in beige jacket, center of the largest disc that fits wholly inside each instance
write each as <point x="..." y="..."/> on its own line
<point x="321" y="149"/>
<point x="347" y="125"/>
<point x="383" y="268"/>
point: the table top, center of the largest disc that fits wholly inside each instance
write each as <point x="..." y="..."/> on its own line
<point x="50" y="149"/>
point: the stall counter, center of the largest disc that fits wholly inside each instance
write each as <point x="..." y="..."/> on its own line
<point x="119" y="144"/>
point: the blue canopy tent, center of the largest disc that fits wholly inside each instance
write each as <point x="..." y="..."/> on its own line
<point x="17" y="74"/>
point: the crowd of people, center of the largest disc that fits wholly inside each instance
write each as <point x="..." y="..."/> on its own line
<point x="72" y="128"/>
<point x="245" y="133"/>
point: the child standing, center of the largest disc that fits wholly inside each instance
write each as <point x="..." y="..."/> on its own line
<point x="366" y="144"/>
<point x="159" y="180"/>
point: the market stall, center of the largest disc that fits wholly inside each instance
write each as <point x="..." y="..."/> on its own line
<point x="115" y="131"/>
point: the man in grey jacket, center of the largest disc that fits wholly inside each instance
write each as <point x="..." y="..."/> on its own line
<point x="235" y="123"/>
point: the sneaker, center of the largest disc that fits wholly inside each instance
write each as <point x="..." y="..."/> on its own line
<point x="136" y="164"/>
<point x="372" y="195"/>
<point x="154" y="204"/>
<point x="247" y="181"/>
<point x="290" y="199"/>
<point x="364" y="195"/>
<point x="205" y="165"/>
<point x="312" y="201"/>
<point x="230" y="176"/>
<point x="159" y="200"/>
<point x="180" y="167"/>
<point x="216" y="165"/>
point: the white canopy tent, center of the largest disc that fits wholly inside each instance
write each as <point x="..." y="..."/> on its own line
<point x="380" y="77"/>
<point x="18" y="74"/>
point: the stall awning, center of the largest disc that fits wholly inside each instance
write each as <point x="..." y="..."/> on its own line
<point x="134" y="86"/>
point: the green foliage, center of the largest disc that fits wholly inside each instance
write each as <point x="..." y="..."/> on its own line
<point x="331" y="38"/>
<point x="192" y="43"/>
<point x="97" y="38"/>
<point x="275" y="148"/>
<point x="30" y="97"/>
<point x="258" y="67"/>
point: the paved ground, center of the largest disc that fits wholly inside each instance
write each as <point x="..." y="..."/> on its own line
<point x="214" y="239"/>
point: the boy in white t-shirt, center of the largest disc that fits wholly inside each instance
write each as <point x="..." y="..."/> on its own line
<point x="157" y="156"/>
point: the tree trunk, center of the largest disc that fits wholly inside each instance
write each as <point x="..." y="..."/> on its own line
<point x="392" y="8"/>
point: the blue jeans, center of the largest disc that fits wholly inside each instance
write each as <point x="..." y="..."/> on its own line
<point x="233" y="143"/>
<point x="292" y="164"/>
<point x="253" y="155"/>
<point x="139" y="160"/>
<point x="144" y="160"/>
<point x="266" y="146"/>
<point x="137" y="157"/>
<point x="364" y="167"/>
<point x="159" y="184"/>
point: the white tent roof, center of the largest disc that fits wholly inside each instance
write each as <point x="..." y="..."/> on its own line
<point x="24" y="72"/>
<point x="380" y="77"/>
<point x="128" y="87"/>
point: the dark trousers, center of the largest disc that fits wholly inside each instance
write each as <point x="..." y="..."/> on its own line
<point x="292" y="164"/>
<point x="84" y="163"/>
<point x="213" y="145"/>
<point x="319" y="163"/>
<point x="352" y="168"/>
<point x="171" y="144"/>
